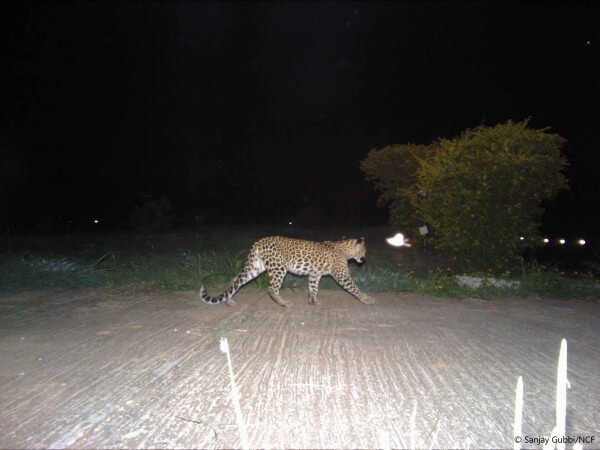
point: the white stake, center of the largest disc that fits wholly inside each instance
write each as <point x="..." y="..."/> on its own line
<point x="413" y="431"/>
<point x="384" y="440"/>
<point x="561" y="394"/>
<point x="224" y="345"/>
<point x="518" y="415"/>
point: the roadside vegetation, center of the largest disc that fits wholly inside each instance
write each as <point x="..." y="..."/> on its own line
<point x="478" y="198"/>
<point x="480" y="194"/>
<point x="213" y="256"/>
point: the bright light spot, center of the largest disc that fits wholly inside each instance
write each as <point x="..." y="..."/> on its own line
<point x="521" y="238"/>
<point x="561" y="241"/>
<point x="289" y="223"/>
<point x="96" y="221"/>
<point x="546" y="240"/>
<point x="398" y="241"/>
<point x="581" y="241"/>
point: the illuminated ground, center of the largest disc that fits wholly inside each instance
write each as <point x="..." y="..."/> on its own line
<point x="117" y="368"/>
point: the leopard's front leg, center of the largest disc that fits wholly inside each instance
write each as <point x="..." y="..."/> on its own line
<point x="343" y="278"/>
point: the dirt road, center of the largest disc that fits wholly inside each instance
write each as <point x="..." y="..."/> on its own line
<point x="119" y="368"/>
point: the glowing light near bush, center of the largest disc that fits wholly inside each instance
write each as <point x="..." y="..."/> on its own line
<point x="546" y="240"/>
<point x="581" y="241"/>
<point x="398" y="241"/>
<point x="562" y="241"/>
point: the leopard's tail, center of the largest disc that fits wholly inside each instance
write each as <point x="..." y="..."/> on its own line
<point x="253" y="268"/>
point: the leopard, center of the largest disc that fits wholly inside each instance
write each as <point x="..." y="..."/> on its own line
<point x="278" y="255"/>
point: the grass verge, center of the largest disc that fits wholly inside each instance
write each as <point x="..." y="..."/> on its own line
<point x="213" y="256"/>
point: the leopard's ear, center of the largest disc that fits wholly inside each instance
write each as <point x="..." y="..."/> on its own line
<point x="360" y="240"/>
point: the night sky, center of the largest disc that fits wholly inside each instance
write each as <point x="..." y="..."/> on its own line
<point x="262" y="111"/>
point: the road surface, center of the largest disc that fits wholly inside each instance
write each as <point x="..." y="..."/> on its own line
<point x="102" y="368"/>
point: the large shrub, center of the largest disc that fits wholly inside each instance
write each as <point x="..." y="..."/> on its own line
<point x="481" y="192"/>
<point x="393" y="171"/>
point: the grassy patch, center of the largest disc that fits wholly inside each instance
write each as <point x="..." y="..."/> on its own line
<point x="213" y="256"/>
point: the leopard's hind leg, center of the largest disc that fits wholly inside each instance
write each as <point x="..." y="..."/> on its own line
<point x="276" y="276"/>
<point x="313" y="287"/>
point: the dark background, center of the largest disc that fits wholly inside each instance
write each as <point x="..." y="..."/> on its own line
<point x="242" y="112"/>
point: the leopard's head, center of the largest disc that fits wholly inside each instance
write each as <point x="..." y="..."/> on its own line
<point x="355" y="249"/>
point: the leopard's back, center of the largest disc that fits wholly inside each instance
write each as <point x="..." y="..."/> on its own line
<point x="299" y="256"/>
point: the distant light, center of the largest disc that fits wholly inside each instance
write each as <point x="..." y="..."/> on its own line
<point x="96" y="221"/>
<point x="289" y="223"/>
<point x="562" y="241"/>
<point x="546" y="240"/>
<point x="581" y="241"/>
<point x="521" y="238"/>
<point x="398" y="241"/>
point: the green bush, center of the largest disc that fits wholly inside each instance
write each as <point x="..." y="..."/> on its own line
<point x="479" y="192"/>
<point x="393" y="171"/>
